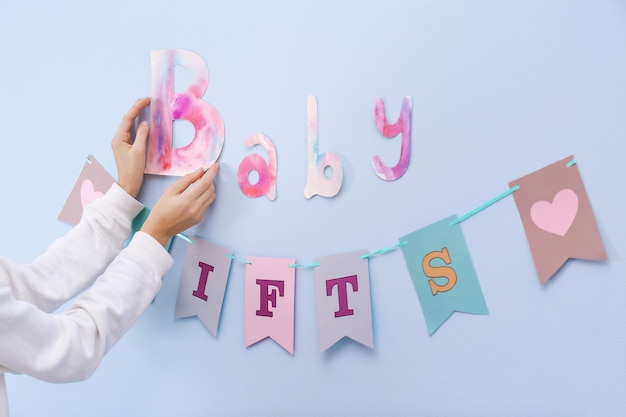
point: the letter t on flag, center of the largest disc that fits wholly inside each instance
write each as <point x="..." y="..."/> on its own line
<point x="270" y="290"/>
<point x="342" y="291"/>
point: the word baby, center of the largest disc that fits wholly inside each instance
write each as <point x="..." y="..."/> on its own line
<point x="208" y="141"/>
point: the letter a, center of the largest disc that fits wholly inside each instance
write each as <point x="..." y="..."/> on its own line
<point x="167" y="106"/>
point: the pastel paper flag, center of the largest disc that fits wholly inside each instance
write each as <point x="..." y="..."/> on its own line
<point x="270" y="287"/>
<point x="203" y="283"/>
<point x="91" y="184"/>
<point x="557" y="217"/>
<point x="442" y="272"/>
<point x="342" y="292"/>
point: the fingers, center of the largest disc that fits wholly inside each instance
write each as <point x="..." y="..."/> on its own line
<point x="129" y="119"/>
<point x="184" y="182"/>
<point x="203" y="183"/>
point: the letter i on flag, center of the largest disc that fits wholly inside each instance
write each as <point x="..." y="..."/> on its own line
<point x="442" y="272"/>
<point x="557" y="217"/>
<point x="203" y="283"/>
<point x="270" y="290"/>
<point x="342" y="291"/>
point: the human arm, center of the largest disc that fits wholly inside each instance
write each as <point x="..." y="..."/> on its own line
<point x="73" y="262"/>
<point x="68" y="346"/>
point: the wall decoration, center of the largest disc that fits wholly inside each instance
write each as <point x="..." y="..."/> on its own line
<point x="266" y="183"/>
<point x="167" y="106"/>
<point x="442" y="272"/>
<point x="203" y="283"/>
<point x="557" y="217"/>
<point x="270" y="288"/>
<point x="342" y="293"/>
<point x="401" y="127"/>
<point x="325" y="173"/>
<point x="552" y="203"/>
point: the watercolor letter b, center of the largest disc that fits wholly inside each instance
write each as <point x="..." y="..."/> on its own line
<point x="166" y="106"/>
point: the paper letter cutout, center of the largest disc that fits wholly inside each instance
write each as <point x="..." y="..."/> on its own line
<point x="403" y="125"/>
<point x="557" y="217"/>
<point x="167" y="106"/>
<point x="266" y="185"/>
<point x="203" y="283"/>
<point x="92" y="183"/>
<point x="270" y="288"/>
<point x="442" y="272"/>
<point x="342" y="291"/>
<point x="317" y="181"/>
<point x="439" y="271"/>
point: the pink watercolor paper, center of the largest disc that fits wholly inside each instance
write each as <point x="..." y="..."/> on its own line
<point x="167" y="106"/>
<point x="402" y="126"/>
<point x="266" y="184"/>
<point x="91" y="184"/>
<point x="317" y="182"/>
<point x="270" y="287"/>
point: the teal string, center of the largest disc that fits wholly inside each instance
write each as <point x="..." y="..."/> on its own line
<point x="184" y="237"/>
<point x="572" y="162"/>
<point x="484" y="206"/>
<point x="384" y="250"/>
<point x="233" y="257"/>
<point x="310" y="265"/>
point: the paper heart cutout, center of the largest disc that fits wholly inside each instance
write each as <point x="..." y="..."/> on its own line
<point x="88" y="193"/>
<point x="556" y="217"/>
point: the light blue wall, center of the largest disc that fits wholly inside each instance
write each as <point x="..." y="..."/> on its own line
<point x="500" y="89"/>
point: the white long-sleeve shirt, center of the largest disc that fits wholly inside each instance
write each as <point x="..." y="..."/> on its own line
<point x="119" y="284"/>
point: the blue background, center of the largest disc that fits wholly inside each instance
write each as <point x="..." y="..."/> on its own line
<point x="499" y="88"/>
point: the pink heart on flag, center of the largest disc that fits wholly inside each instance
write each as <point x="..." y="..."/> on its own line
<point x="558" y="216"/>
<point x="88" y="193"/>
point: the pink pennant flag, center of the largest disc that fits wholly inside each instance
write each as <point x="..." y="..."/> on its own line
<point x="91" y="184"/>
<point x="270" y="289"/>
<point x="557" y="217"/>
<point x="203" y="283"/>
<point x="342" y="291"/>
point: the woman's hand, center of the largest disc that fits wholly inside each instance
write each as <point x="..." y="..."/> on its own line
<point x="130" y="155"/>
<point x="182" y="204"/>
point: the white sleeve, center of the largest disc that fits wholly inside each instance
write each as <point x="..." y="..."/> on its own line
<point x="73" y="261"/>
<point x="69" y="346"/>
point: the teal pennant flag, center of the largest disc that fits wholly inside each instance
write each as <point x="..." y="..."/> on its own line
<point x="442" y="272"/>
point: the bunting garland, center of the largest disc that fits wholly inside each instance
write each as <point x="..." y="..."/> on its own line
<point x="552" y="203"/>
